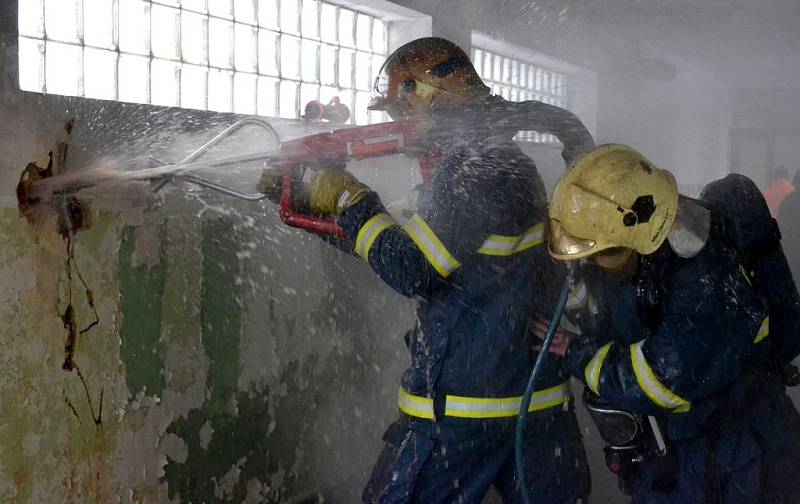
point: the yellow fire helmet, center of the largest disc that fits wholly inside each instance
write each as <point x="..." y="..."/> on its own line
<point x="422" y="75"/>
<point x="611" y="197"/>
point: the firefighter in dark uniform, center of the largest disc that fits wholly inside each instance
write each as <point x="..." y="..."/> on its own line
<point x="678" y="358"/>
<point x="474" y="259"/>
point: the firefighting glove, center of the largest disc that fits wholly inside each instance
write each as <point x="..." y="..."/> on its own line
<point x="271" y="180"/>
<point x="333" y="190"/>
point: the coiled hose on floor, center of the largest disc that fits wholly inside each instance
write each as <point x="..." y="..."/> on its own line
<point x="528" y="395"/>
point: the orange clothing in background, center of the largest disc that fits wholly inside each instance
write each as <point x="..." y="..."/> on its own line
<point x="775" y="193"/>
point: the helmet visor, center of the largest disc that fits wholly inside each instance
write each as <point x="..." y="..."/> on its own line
<point x="566" y="247"/>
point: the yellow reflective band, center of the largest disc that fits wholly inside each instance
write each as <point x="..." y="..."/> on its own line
<point x="746" y="275"/>
<point x="417" y="406"/>
<point x="653" y="388"/>
<point x="592" y="370"/>
<point x="577" y="297"/>
<point x="763" y="331"/>
<point x="503" y="246"/>
<point x="369" y="233"/>
<point x="435" y="251"/>
<point x="476" y="407"/>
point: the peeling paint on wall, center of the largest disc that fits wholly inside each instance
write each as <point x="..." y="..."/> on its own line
<point x="141" y="287"/>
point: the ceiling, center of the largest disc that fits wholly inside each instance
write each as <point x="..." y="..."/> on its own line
<point x="749" y="44"/>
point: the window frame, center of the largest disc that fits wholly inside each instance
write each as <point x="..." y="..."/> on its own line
<point x="308" y="82"/>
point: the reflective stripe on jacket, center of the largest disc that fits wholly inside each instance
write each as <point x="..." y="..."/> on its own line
<point x="473" y="257"/>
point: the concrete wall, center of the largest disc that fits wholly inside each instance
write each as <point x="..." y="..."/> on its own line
<point x="234" y="359"/>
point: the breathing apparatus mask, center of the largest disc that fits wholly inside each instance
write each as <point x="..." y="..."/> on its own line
<point x="630" y="439"/>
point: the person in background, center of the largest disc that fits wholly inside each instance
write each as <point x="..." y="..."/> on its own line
<point x="789" y="224"/>
<point x="683" y="368"/>
<point x="781" y="188"/>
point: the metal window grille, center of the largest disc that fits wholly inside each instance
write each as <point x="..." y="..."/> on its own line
<point x="519" y="80"/>
<point x="260" y="57"/>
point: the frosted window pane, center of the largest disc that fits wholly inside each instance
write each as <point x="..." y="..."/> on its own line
<point x="134" y="78"/>
<point x="194" y="80"/>
<point x="171" y="3"/>
<point x="268" y="13"/>
<point x="195" y="5"/>
<point x="310" y="61"/>
<point x="347" y="21"/>
<point x="100" y="74"/>
<point x="164" y="37"/>
<point x="497" y="71"/>
<point x="326" y="93"/>
<point x="377" y="63"/>
<point x="377" y="116"/>
<point x="363" y="70"/>
<point x="328" y="22"/>
<point x="267" y="52"/>
<point x="290" y="57"/>
<point x="62" y="20"/>
<point x="310" y="19"/>
<point x="506" y="76"/>
<point x="288" y="99"/>
<point x="531" y="78"/>
<point x="31" y="18"/>
<point x="98" y="23"/>
<point x="220" y="90"/>
<point x="165" y="83"/>
<point x="477" y="61"/>
<point x="308" y="92"/>
<point x="267" y="96"/>
<point x="134" y="33"/>
<point x="361" y="113"/>
<point x="364" y="32"/>
<point x="290" y="16"/>
<point x="63" y="69"/>
<point x="221" y="8"/>
<point x="31" y="65"/>
<point x="346" y="57"/>
<point x="194" y="38"/>
<point x="378" y="36"/>
<point x="220" y="43"/>
<point x="244" y="93"/>
<point x="546" y="82"/>
<point x="245" y="11"/>
<point x="486" y="73"/>
<point x="515" y="73"/>
<point x="327" y="64"/>
<point x="523" y="75"/>
<point x="246" y="40"/>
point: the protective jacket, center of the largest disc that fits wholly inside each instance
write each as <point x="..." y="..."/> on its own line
<point x="472" y="255"/>
<point x="687" y="340"/>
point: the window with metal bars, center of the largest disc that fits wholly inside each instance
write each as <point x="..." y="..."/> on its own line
<point x="260" y="57"/>
<point x="518" y="80"/>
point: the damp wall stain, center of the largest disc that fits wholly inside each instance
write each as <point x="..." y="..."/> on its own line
<point x="141" y="288"/>
<point x="225" y="362"/>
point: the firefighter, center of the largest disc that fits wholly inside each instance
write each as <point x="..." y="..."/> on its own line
<point x="473" y="257"/>
<point x="681" y="374"/>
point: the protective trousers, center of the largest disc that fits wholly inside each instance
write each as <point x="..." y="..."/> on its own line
<point x="756" y="460"/>
<point x="458" y="461"/>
